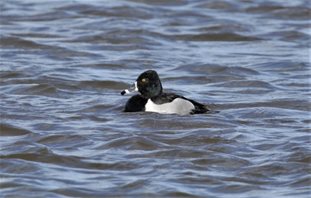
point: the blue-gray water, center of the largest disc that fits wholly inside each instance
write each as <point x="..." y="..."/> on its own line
<point x="64" y="63"/>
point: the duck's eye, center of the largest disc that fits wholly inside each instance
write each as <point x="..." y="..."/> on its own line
<point x="145" y="80"/>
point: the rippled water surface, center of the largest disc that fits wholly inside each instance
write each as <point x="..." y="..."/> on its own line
<point x="64" y="63"/>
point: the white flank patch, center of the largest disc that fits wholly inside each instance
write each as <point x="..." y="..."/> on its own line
<point x="178" y="106"/>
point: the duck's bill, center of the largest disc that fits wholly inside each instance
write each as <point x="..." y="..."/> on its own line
<point x="132" y="88"/>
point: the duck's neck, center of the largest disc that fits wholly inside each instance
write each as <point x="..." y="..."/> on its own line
<point x="156" y="98"/>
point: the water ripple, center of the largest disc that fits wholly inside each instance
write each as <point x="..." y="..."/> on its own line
<point x="63" y="130"/>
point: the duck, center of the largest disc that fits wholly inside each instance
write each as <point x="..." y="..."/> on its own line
<point x="152" y="98"/>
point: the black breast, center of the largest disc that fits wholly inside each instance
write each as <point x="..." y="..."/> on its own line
<point x="135" y="103"/>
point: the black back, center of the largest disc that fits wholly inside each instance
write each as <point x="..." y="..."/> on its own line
<point x="169" y="97"/>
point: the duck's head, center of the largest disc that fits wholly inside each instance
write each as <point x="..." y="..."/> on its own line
<point x="148" y="84"/>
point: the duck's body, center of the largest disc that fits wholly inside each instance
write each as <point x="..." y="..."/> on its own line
<point x="152" y="99"/>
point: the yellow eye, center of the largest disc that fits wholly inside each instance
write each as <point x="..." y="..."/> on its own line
<point x="144" y="80"/>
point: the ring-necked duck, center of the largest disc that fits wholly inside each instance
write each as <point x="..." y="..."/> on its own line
<point x="152" y="98"/>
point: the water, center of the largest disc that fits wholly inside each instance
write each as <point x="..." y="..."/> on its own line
<point x="64" y="63"/>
